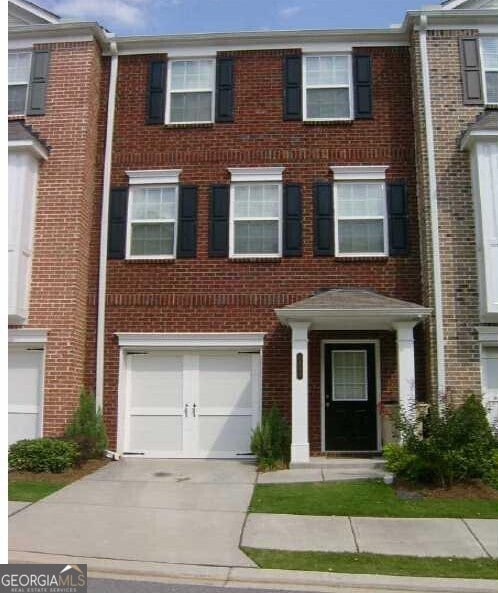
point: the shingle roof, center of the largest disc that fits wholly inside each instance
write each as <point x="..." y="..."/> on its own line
<point x="488" y="120"/>
<point x="18" y="130"/>
<point x="352" y="299"/>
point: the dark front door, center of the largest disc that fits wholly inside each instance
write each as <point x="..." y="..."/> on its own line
<point x="350" y="398"/>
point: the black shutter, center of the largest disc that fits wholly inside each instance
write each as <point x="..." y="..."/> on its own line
<point x="471" y="71"/>
<point x="118" y="211"/>
<point x="157" y="92"/>
<point x="292" y="220"/>
<point x="293" y="88"/>
<point x="397" y="207"/>
<point x="38" y="82"/>
<point x="324" y="218"/>
<point x="218" y="220"/>
<point x="187" y="222"/>
<point x="363" y="86"/>
<point x="224" y="89"/>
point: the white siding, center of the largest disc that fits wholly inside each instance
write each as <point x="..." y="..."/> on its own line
<point x="23" y="177"/>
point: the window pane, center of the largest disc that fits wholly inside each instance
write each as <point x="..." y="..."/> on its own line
<point x="361" y="236"/>
<point x="152" y="239"/>
<point x="19" y="67"/>
<point x="490" y="52"/>
<point x="154" y="203"/>
<point x="325" y="70"/>
<point x="490" y="363"/>
<point x="360" y="199"/>
<point x="192" y="74"/>
<point x="492" y="87"/>
<point x="190" y="107"/>
<point x="17" y="99"/>
<point x="259" y="236"/>
<point x="349" y="375"/>
<point x="327" y="103"/>
<point x="257" y="200"/>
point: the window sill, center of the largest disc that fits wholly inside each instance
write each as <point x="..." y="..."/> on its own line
<point x="190" y="125"/>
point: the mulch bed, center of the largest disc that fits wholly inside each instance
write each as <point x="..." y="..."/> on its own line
<point x="70" y="475"/>
<point x="475" y="490"/>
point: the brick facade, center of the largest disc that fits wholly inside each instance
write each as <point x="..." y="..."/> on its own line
<point x="65" y="200"/>
<point x="208" y="294"/>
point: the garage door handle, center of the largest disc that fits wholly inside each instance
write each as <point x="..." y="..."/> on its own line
<point x="193" y="409"/>
<point x="186" y="410"/>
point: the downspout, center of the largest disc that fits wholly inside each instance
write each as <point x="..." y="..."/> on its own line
<point x="436" y="260"/>
<point x="106" y="188"/>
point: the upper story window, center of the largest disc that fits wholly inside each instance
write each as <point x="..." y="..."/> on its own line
<point x="489" y="50"/>
<point x="327" y="93"/>
<point x="19" y="73"/>
<point x="190" y="91"/>
<point x="360" y="207"/>
<point x="152" y="222"/>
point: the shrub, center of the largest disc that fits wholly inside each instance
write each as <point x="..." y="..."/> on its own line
<point x="491" y="476"/>
<point x="457" y="445"/>
<point x="87" y="429"/>
<point x="43" y="455"/>
<point x="271" y="441"/>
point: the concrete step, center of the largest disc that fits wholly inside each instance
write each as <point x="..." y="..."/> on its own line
<point x="339" y="464"/>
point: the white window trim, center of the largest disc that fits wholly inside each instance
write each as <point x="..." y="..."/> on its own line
<point x="255" y="174"/>
<point x="199" y="90"/>
<point x="373" y="174"/>
<point x="484" y="70"/>
<point x="365" y="358"/>
<point x="151" y="176"/>
<point x="349" y="86"/>
<point x="22" y="51"/>
<point x="130" y="222"/>
<point x="232" y="221"/>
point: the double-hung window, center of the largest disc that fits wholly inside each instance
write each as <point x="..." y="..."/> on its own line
<point x="190" y="91"/>
<point x="19" y="73"/>
<point x="152" y="222"/>
<point x="327" y="87"/>
<point x="489" y="51"/>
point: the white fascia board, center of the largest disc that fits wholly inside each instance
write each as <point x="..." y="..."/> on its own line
<point x="488" y="334"/>
<point x="470" y="138"/>
<point x="190" y="340"/>
<point x="252" y="174"/>
<point x="287" y="315"/>
<point x="27" y="336"/>
<point x="159" y="176"/>
<point x="359" y="173"/>
<point x="68" y="31"/>
<point x="37" y="11"/>
<point x="33" y="146"/>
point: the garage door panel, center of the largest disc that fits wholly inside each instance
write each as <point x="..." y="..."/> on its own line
<point x="225" y="381"/>
<point x="150" y="374"/>
<point x="228" y="435"/>
<point x="23" y="426"/>
<point x="156" y="433"/>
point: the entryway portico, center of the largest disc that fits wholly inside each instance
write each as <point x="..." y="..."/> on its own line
<point x="351" y="386"/>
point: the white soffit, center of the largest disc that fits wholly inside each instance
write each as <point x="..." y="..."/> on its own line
<point x="190" y="340"/>
<point x="250" y="174"/>
<point x="27" y="336"/>
<point x="154" y="176"/>
<point x="359" y="173"/>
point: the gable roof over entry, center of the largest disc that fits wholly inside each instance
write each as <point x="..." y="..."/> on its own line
<point x="22" y="12"/>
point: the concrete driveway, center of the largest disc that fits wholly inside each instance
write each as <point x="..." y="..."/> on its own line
<point x="175" y="511"/>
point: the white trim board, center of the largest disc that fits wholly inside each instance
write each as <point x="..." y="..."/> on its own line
<point x="154" y="176"/>
<point x="254" y="174"/>
<point x="359" y="172"/>
<point x="28" y="336"/>
<point x="190" y="340"/>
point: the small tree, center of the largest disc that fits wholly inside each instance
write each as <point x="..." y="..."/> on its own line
<point x="87" y="428"/>
<point x="271" y="441"/>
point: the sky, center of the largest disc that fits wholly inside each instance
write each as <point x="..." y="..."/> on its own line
<point x="146" y="17"/>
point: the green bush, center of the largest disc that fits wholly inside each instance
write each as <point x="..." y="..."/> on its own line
<point x="271" y="440"/>
<point x="87" y="429"/>
<point x="43" y="455"/>
<point x="457" y="445"/>
<point x="491" y="476"/>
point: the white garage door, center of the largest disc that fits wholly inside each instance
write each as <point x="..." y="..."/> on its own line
<point x="25" y="393"/>
<point x="191" y="404"/>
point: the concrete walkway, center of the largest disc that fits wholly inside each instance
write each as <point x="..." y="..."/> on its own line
<point x="465" y="538"/>
<point x="15" y="506"/>
<point x="176" y="511"/>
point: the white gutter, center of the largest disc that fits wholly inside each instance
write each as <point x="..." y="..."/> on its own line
<point x="106" y="188"/>
<point x="436" y="260"/>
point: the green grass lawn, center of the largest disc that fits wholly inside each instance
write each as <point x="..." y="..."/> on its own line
<point x="32" y="491"/>
<point x="362" y="499"/>
<point x="485" y="568"/>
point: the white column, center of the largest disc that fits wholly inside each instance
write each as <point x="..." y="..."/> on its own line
<point x="406" y="367"/>
<point x="300" y="447"/>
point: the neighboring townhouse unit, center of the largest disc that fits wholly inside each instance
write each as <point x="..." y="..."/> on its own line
<point x="223" y="222"/>
<point x="53" y="99"/>
<point x="455" y="78"/>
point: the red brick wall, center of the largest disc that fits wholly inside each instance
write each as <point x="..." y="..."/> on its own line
<point x="61" y="253"/>
<point x="206" y="294"/>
